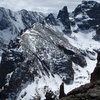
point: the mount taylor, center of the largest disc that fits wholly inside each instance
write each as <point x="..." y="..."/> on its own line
<point x="39" y="52"/>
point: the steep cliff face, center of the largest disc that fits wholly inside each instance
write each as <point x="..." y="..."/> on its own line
<point x="51" y="19"/>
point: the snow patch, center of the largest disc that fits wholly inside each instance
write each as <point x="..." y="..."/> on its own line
<point x="39" y="87"/>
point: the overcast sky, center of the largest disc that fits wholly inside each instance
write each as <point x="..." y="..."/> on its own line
<point x="46" y="6"/>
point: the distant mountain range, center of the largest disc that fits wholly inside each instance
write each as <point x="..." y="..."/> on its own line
<point x="11" y="23"/>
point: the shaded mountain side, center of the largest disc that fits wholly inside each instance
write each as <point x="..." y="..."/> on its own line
<point x="11" y="23"/>
<point x="84" y="18"/>
<point x="95" y="76"/>
<point x="61" y="20"/>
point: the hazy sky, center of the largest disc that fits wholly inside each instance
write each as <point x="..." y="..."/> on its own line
<point x="46" y="6"/>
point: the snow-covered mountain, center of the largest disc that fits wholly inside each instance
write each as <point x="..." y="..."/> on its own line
<point x="40" y="53"/>
<point x="87" y="15"/>
<point x="53" y="50"/>
<point x="11" y="23"/>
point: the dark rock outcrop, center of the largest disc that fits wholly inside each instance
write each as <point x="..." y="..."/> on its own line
<point x="9" y="64"/>
<point x="11" y="23"/>
<point x="87" y="15"/>
<point x="97" y="36"/>
<point x="90" y="5"/>
<point x="89" y="91"/>
<point x="50" y="19"/>
<point x="95" y="76"/>
<point x="50" y="95"/>
<point x="98" y="31"/>
<point x="79" y="60"/>
<point x="98" y="58"/>
<point x="63" y="16"/>
<point x="76" y="58"/>
<point x="62" y="94"/>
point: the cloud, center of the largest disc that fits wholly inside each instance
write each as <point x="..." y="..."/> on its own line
<point x="45" y="6"/>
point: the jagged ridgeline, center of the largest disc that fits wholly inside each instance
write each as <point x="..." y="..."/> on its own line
<point x="11" y="23"/>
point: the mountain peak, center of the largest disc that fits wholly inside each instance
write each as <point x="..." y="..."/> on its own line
<point x="63" y="13"/>
<point x="65" y="9"/>
<point x="63" y="16"/>
<point x="50" y="19"/>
